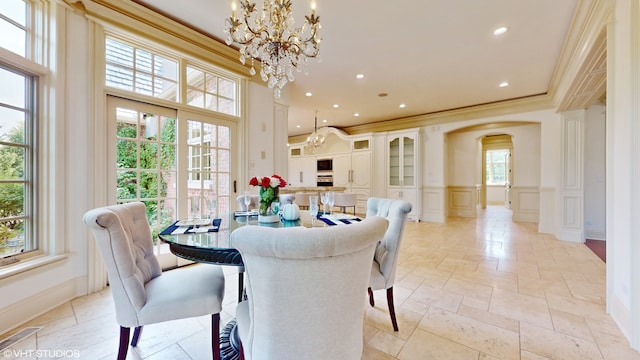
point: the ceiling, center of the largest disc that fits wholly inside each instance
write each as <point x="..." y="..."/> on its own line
<point x="431" y="55"/>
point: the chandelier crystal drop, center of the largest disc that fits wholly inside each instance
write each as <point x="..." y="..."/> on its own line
<point x="269" y="38"/>
<point x="316" y="140"/>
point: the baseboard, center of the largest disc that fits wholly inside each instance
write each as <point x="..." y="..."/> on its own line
<point x="15" y="315"/>
<point x="595" y="234"/>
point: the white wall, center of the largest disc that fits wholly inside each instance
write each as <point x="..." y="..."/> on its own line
<point x="594" y="173"/>
<point x="495" y="195"/>
<point x="462" y="153"/>
<point x="623" y="167"/>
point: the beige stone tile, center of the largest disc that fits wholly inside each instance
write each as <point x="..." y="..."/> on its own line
<point x="570" y="324"/>
<point x="386" y="343"/>
<point x="539" y="287"/>
<point x="526" y="355"/>
<point x="425" y="345"/>
<point x="468" y="289"/>
<point x="576" y="306"/>
<point x="371" y="353"/>
<point x="475" y="334"/>
<point x="437" y="297"/>
<point x="521" y="307"/>
<point x="615" y="347"/>
<point x="489" y="318"/>
<point x="554" y="345"/>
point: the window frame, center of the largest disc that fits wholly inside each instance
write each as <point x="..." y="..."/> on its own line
<point x="489" y="166"/>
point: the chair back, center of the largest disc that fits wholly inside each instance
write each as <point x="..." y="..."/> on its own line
<point x="386" y="255"/>
<point x="302" y="199"/>
<point x="123" y="236"/>
<point x="306" y="289"/>
<point x="286" y="199"/>
<point x="254" y="204"/>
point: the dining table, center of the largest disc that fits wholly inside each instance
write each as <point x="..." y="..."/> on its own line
<point x="209" y="241"/>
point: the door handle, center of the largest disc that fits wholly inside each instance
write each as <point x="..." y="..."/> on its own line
<point x="235" y="183"/>
<point x="300" y="177"/>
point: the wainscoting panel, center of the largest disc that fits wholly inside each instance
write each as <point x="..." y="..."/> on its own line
<point x="525" y="203"/>
<point x="462" y="201"/>
<point x="434" y="204"/>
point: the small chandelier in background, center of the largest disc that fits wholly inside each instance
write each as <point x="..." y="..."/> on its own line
<point x="268" y="39"/>
<point x="316" y="140"/>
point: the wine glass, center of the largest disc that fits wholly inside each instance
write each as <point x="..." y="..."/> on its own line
<point x="195" y="208"/>
<point x="212" y="206"/>
<point x="325" y="200"/>
<point x="247" y="202"/>
<point x="313" y="208"/>
<point x="330" y="200"/>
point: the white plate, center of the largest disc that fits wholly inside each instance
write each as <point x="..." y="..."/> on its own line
<point x="198" y="222"/>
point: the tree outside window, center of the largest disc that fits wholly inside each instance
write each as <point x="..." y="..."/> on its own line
<point x="496" y="166"/>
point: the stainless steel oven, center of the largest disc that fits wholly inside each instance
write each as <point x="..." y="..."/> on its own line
<point x="325" y="180"/>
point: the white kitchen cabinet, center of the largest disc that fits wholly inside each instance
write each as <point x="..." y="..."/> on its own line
<point x="302" y="171"/>
<point x="353" y="171"/>
<point x="402" y="174"/>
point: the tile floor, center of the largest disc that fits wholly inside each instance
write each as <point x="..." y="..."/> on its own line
<point x="484" y="288"/>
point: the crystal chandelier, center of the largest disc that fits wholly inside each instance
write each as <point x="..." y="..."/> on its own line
<point x="268" y="39"/>
<point x="316" y="140"/>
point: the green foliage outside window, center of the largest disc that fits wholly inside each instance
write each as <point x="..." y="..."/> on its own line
<point x="11" y="194"/>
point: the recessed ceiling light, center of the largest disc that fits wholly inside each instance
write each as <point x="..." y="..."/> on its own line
<point x="308" y="94"/>
<point x="356" y="114"/>
<point x="324" y="120"/>
<point x="504" y="84"/>
<point x="360" y="76"/>
<point x="402" y="106"/>
<point x="298" y="126"/>
<point x="335" y="106"/>
<point x="499" y="31"/>
<point x="383" y="95"/>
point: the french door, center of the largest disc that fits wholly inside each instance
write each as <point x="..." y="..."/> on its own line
<point x="164" y="157"/>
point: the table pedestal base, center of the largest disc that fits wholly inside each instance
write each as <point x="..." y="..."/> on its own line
<point x="229" y="341"/>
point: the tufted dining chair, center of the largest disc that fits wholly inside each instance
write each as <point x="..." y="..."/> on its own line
<point x="383" y="271"/>
<point x="305" y="290"/>
<point x="286" y="199"/>
<point x="142" y="293"/>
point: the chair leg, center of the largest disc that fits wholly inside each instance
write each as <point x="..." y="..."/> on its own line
<point x="241" y="352"/>
<point x="392" y="311"/>
<point x="370" y="296"/>
<point x="240" y="287"/>
<point x="136" y="336"/>
<point x="215" y="336"/>
<point x="124" y="343"/>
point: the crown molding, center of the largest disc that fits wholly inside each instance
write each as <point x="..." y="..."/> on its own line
<point x="514" y="106"/>
<point x="579" y="78"/>
<point x="136" y="19"/>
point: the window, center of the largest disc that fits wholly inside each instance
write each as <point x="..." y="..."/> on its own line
<point x="13" y="26"/>
<point x="17" y="137"/>
<point x="146" y="163"/>
<point x="209" y="91"/>
<point x="496" y="166"/>
<point x="132" y="68"/>
<point x="140" y="71"/>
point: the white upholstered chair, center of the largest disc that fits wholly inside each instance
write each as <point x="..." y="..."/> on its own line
<point x="255" y="202"/>
<point x="383" y="271"/>
<point x="345" y="200"/>
<point x="305" y="290"/>
<point x="302" y="199"/>
<point x="286" y="199"/>
<point x="142" y="293"/>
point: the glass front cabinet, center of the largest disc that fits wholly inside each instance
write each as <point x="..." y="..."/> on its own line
<point x="402" y="176"/>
